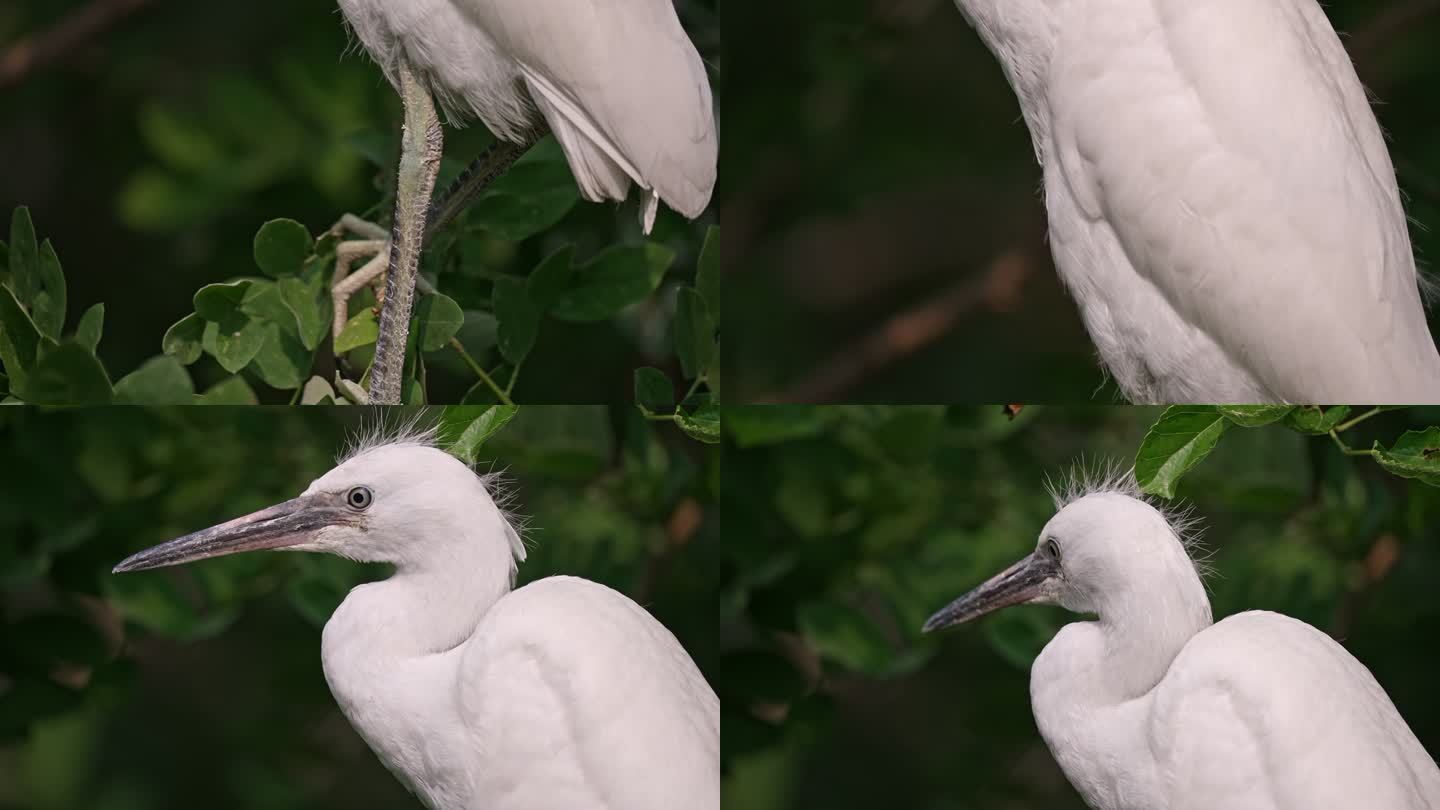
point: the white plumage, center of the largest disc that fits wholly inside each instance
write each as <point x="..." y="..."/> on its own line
<point x="1221" y="202"/>
<point x="1151" y="707"/>
<point x="561" y="694"/>
<point x="619" y="83"/>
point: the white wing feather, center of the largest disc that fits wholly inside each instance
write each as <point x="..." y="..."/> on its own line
<point x="1244" y="176"/>
<point x="623" y="88"/>
<point x="569" y="655"/>
<point x="1234" y="725"/>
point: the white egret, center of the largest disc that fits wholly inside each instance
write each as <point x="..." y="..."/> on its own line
<point x="561" y="694"/>
<point x="1221" y="202"/>
<point x="619" y="83"/>
<point x="1152" y="707"/>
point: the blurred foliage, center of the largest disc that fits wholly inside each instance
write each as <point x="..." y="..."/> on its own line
<point x="847" y="526"/>
<point x="875" y="160"/>
<point x="203" y="175"/>
<point x="201" y="686"/>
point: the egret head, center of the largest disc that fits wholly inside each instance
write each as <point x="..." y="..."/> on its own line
<point x="397" y="500"/>
<point x="1107" y="550"/>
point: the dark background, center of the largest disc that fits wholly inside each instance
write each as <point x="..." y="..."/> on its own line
<point x="201" y="686"/>
<point x="152" y="146"/>
<point x="847" y="526"/>
<point x="884" y="235"/>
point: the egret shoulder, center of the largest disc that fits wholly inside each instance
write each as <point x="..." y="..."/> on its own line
<point x="1262" y="710"/>
<point x="579" y="688"/>
<point x="1244" y="179"/>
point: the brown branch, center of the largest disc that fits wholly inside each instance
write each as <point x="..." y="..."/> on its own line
<point x="1383" y="555"/>
<point x="684" y="522"/>
<point x="46" y="47"/>
<point x="912" y="330"/>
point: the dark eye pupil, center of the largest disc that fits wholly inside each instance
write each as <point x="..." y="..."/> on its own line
<point x="1054" y="549"/>
<point x="359" y="497"/>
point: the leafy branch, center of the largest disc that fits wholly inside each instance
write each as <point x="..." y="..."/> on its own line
<point x="1185" y="434"/>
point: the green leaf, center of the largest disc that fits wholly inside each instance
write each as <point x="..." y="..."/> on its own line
<point x="282" y="361"/>
<point x="1414" y="455"/>
<point x="159" y="381"/>
<point x="757" y="425"/>
<point x="846" y="636"/>
<point x="1182" y="438"/>
<point x="68" y="375"/>
<point x="184" y="341"/>
<point x="1315" y="420"/>
<point x="518" y="319"/>
<point x="307" y="302"/>
<point x="529" y="199"/>
<point x="437" y="319"/>
<point x="24" y="257"/>
<point x="703" y="424"/>
<point x="1255" y="415"/>
<point x="234" y="350"/>
<point x="262" y="301"/>
<point x="318" y="391"/>
<point x="48" y="305"/>
<point x="619" y="277"/>
<point x="92" y="325"/>
<point x="281" y="247"/>
<point x="23" y="339"/>
<point x="707" y="272"/>
<point x="155" y="603"/>
<point x="653" y="390"/>
<point x="220" y="303"/>
<point x="694" y="333"/>
<point x="360" y="330"/>
<point x="474" y="426"/>
<point x="229" y="391"/>
<point x="550" y="277"/>
<point x="351" y="390"/>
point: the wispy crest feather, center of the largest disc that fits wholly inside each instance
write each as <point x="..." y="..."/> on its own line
<point x="418" y="429"/>
<point x="1101" y="476"/>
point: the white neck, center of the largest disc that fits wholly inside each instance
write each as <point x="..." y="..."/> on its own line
<point x="1091" y="687"/>
<point x="392" y="653"/>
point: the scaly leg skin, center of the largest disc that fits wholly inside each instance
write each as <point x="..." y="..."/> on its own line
<point x="484" y="170"/>
<point x="376" y="252"/>
<point x="421" y="142"/>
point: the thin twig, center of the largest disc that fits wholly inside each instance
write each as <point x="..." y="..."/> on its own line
<point x="52" y="45"/>
<point x="502" y="394"/>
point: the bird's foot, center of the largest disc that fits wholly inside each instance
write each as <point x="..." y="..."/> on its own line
<point x="372" y="252"/>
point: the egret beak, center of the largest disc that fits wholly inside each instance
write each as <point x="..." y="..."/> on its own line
<point x="286" y="524"/>
<point x="1033" y="579"/>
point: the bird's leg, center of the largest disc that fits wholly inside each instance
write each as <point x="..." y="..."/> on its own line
<point x="482" y="171"/>
<point x="421" y="142"/>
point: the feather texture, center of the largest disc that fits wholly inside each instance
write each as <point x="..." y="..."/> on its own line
<point x="1221" y="203"/>
<point x="619" y="83"/>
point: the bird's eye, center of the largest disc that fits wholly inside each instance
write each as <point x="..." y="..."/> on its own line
<point x="1054" y="548"/>
<point x="359" y="498"/>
